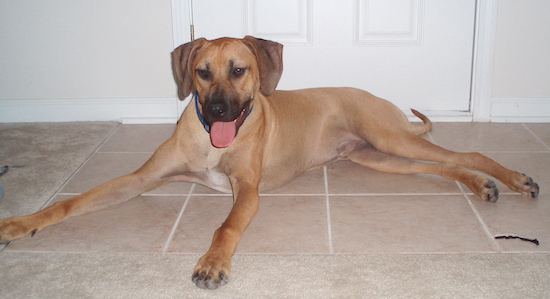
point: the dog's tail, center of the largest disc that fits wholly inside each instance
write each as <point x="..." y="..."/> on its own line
<point x="423" y="128"/>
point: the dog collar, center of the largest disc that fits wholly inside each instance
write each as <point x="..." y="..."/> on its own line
<point x="201" y="117"/>
<point x="199" y="114"/>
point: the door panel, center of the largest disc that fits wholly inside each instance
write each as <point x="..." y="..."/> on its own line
<point x="416" y="53"/>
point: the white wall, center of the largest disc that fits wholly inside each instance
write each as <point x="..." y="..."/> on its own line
<point x="521" y="87"/>
<point x="64" y="60"/>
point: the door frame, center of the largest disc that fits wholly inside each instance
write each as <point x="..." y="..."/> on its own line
<point x="481" y="87"/>
<point x="483" y="60"/>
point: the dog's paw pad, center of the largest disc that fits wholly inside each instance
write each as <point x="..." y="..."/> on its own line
<point x="211" y="272"/>
<point x="490" y="193"/>
<point x="534" y="192"/>
<point x="528" y="186"/>
<point x="205" y="281"/>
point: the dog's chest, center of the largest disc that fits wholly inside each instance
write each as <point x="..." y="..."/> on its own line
<point x="210" y="175"/>
<point x="215" y="180"/>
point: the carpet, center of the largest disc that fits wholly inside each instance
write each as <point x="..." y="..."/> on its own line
<point x="50" y="152"/>
<point x="64" y="275"/>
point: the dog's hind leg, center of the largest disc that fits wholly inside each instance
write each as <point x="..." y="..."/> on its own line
<point x="414" y="147"/>
<point x="368" y="156"/>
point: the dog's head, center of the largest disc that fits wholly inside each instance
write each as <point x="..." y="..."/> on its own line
<point x="227" y="74"/>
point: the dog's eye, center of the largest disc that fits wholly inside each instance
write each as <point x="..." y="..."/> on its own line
<point x="204" y="74"/>
<point x="237" y="72"/>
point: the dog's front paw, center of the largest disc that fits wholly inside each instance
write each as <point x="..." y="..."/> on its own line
<point x="15" y="228"/>
<point x="211" y="272"/>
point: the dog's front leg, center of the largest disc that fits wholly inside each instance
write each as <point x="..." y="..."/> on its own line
<point x="213" y="268"/>
<point x="161" y="168"/>
<point x="108" y="194"/>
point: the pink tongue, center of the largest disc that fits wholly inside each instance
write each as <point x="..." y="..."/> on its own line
<point x="223" y="133"/>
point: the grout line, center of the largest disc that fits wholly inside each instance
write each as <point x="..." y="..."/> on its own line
<point x="327" y="199"/>
<point x="483" y="225"/>
<point x="397" y="194"/>
<point x="299" y="195"/>
<point x="335" y="194"/>
<point x="430" y="137"/>
<point x="100" y="152"/>
<point x="513" y="152"/>
<point x="143" y="194"/>
<point x="212" y="194"/>
<point x="56" y="193"/>
<point x="174" y="228"/>
<point x="110" y="136"/>
<point x="293" y="194"/>
<point x="533" y="133"/>
<point x="163" y="194"/>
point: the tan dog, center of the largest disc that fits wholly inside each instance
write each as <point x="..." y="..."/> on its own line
<point x="260" y="139"/>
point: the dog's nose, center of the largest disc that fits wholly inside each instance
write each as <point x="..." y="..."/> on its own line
<point x="217" y="110"/>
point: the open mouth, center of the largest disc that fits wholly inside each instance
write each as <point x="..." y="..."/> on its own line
<point x="222" y="133"/>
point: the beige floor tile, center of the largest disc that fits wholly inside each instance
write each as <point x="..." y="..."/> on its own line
<point x="521" y="216"/>
<point x="289" y="225"/>
<point x="406" y="224"/>
<point x="200" y="190"/>
<point x="283" y="225"/>
<point x="142" y="224"/>
<point x="202" y="216"/>
<point x="482" y="137"/>
<point x="103" y="167"/>
<point x="346" y="177"/>
<point x="542" y="131"/>
<point x="310" y="182"/>
<point x="138" y="138"/>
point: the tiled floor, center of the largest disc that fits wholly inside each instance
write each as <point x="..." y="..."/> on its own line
<point x="342" y="208"/>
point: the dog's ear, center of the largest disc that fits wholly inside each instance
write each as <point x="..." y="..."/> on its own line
<point x="270" y="61"/>
<point x="182" y="59"/>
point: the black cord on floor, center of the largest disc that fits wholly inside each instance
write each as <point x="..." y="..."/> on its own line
<point x="535" y="241"/>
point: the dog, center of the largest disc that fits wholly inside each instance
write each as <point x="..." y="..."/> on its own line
<point x="240" y="135"/>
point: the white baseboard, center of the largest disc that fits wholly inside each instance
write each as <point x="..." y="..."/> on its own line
<point x="148" y="120"/>
<point x="127" y="110"/>
<point x="165" y="110"/>
<point x="520" y="110"/>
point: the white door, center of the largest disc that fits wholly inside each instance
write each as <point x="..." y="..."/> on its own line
<point x="415" y="53"/>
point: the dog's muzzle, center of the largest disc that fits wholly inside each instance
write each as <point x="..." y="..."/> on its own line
<point x="223" y="133"/>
